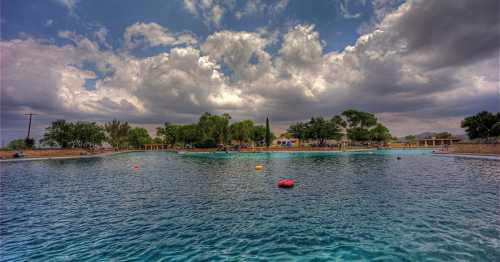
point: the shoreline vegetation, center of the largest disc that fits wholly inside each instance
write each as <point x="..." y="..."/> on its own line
<point x="351" y="130"/>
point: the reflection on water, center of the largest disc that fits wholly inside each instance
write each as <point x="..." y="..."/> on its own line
<point x="212" y="207"/>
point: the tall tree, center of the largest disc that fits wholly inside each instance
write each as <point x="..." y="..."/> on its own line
<point x="483" y="125"/>
<point x="268" y="133"/>
<point x="242" y="131"/>
<point x="215" y="127"/>
<point x="117" y="133"/>
<point x="222" y="133"/>
<point x="188" y="134"/>
<point x="299" y="131"/>
<point x="358" y="134"/>
<point x="321" y="130"/>
<point x="380" y="133"/>
<point x="59" y="133"/>
<point x="339" y="122"/>
<point x="138" y="137"/>
<point x="168" y="132"/>
<point x="80" y="134"/>
<point x="361" y="119"/>
<point x="358" y="124"/>
<point x="87" y="135"/>
<point x="259" y="134"/>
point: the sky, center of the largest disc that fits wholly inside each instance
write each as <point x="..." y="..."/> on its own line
<point x="418" y="65"/>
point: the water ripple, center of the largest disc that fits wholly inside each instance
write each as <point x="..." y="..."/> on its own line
<point x="345" y="206"/>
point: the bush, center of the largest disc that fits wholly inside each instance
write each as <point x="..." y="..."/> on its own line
<point x="29" y="142"/>
<point x="17" y="144"/>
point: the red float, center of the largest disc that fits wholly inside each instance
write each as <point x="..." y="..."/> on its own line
<point x="286" y="183"/>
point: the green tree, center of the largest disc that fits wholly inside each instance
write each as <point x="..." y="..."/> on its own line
<point x="339" y="122"/>
<point x="318" y="129"/>
<point x="80" y="134"/>
<point x="358" y="124"/>
<point x="380" y="133"/>
<point x="87" y="135"/>
<point x="259" y="134"/>
<point x="268" y="133"/>
<point x="138" y="137"/>
<point x="411" y="138"/>
<point x="242" y="131"/>
<point x="359" y="119"/>
<point x="214" y="128"/>
<point x="117" y="133"/>
<point x="222" y="134"/>
<point x="168" y="132"/>
<point x="444" y="135"/>
<point x="299" y="131"/>
<point x="188" y="134"/>
<point x="17" y="144"/>
<point x="358" y="134"/>
<point x="483" y="125"/>
<point x="321" y="130"/>
<point x="59" y="133"/>
<point x="157" y="140"/>
<point x="29" y="142"/>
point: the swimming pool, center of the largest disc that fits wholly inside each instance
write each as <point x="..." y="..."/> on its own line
<point x="174" y="207"/>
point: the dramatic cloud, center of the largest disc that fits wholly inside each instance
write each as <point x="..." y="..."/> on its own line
<point x="425" y="66"/>
<point x="446" y="33"/>
<point x="236" y="49"/>
<point x="301" y="48"/>
<point x="48" y="78"/>
<point x="184" y="81"/>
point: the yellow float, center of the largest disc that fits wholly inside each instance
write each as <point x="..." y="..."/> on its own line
<point x="259" y="167"/>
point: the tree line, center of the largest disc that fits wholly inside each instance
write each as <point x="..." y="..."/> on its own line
<point x="357" y="125"/>
<point x="61" y="133"/>
<point x="212" y="130"/>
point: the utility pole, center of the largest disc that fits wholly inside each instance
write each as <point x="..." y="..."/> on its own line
<point x="29" y="126"/>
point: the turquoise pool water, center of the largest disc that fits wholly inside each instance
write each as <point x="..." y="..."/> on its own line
<point x="212" y="207"/>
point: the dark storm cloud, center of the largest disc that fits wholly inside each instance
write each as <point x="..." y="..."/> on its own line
<point x="448" y="33"/>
